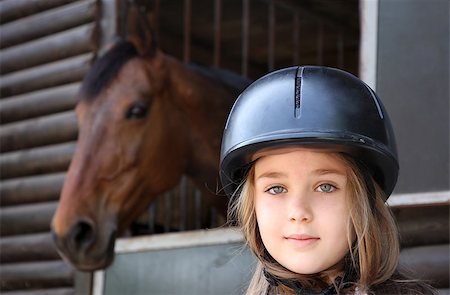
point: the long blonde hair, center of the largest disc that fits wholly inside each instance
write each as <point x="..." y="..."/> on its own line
<point x="373" y="249"/>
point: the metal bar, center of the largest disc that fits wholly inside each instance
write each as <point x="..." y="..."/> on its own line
<point x="167" y="211"/>
<point x="155" y="20"/>
<point x="340" y="49"/>
<point x="213" y="217"/>
<point x="245" y="36"/>
<point x="187" y="31"/>
<point x="217" y="32"/>
<point x="122" y="18"/>
<point x="183" y="208"/>
<point x="320" y="43"/>
<point x="271" y="37"/>
<point x="296" y="38"/>
<point x="151" y="218"/>
<point x="198" y="209"/>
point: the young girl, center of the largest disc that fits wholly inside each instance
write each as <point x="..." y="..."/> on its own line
<point x="309" y="158"/>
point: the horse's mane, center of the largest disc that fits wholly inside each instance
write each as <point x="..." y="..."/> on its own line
<point x="106" y="68"/>
<point x="232" y="81"/>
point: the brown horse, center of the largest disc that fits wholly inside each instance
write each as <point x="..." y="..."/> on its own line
<point x="145" y="119"/>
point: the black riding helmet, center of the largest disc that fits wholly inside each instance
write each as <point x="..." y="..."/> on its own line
<point x="313" y="106"/>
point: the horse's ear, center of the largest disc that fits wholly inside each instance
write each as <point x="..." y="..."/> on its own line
<point x="139" y="30"/>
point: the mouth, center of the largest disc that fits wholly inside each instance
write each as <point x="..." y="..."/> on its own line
<point x="302" y="240"/>
<point x="89" y="259"/>
<point x="100" y="260"/>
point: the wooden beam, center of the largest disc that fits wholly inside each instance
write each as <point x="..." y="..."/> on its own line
<point x="420" y="226"/>
<point x="33" y="275"/>
<point x="39" y="103"/>
<point x="53" y="74"/>
<point x="53" y="129"/>
<point x="48" y="159"/>
<point x="35" y="189"/>
<point x="48" y="22"/>
<point x="13" y="9"/>
<point x="26" y="219"/>
<point x="428" y="263"/>
<point x="48" y="49"/>
<point x="31" y="247"/>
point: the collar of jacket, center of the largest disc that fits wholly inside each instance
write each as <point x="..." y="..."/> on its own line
<point x="299" y="290"/>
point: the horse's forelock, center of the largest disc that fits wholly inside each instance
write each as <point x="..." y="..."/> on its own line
<point x="106" y="69"/>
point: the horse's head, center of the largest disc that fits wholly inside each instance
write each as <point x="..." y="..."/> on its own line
<point x="124" y="155"/>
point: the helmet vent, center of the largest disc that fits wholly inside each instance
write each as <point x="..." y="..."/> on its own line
<point x="298" y="92"/>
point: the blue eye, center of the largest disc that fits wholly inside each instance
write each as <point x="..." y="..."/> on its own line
<point x="275" y="190"/>
<point x="326" y="188"/>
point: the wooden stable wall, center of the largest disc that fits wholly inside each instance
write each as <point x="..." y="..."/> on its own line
<point x="46" y="48"/>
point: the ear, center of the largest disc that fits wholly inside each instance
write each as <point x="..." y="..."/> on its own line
<point x="139" y="29"/>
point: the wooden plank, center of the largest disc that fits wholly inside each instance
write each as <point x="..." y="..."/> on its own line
<point x="35" y="275"/>
<point x="420" y="226"/>
<point x="31" y="189"/>
<point x="195" y="238"/>
<point x="428" y="263"/>
<point x="39" y="103"/>
<point x="419" y="199"/>
<point x="53" y="74"/>
<point x="53" y="129"/>
<point x="48" y="22"/>
<point x="13" y="9"/>
<point x="55" y="158"/>
<point x="54" y="47"/>
<point x="26" y="219"/>
<point x="32" y="247"/>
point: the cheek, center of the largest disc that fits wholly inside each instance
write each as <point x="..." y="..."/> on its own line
<point x="335" y="221"/>
<point x="269" y="215"/>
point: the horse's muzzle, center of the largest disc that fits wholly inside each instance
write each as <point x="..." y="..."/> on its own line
<point x="85" y="247"/>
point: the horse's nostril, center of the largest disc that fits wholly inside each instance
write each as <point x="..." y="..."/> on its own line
<point x="82" y="235"/>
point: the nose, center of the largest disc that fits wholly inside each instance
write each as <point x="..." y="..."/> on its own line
<point x="79" y="237"/>
<point x="82" y="234"/>
<point x="300" y="209"/>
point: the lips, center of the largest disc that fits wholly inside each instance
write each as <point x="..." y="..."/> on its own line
<point x="302" y="239"/>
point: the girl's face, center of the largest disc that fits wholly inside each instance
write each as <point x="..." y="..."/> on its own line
<point x="300" y="203"/>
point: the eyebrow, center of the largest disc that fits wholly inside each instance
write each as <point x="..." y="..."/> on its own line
<point x="329" y="171"/>
<point x="272" y="174"/>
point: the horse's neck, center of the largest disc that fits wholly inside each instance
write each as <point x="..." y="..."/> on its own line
<point x="205" y="104"/>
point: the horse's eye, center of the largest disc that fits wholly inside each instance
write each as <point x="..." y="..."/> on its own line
<point x="137" y="111"/>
